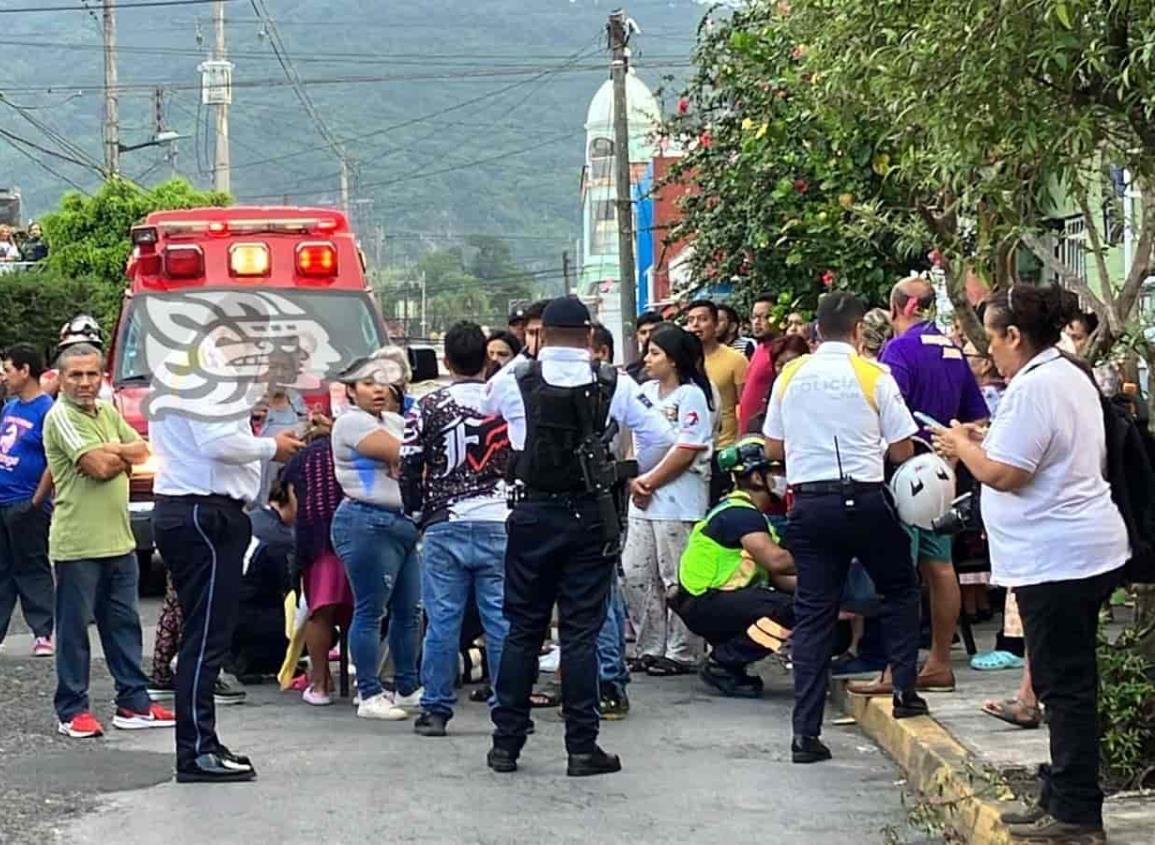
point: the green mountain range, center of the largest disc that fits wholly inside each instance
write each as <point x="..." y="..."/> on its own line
<point x="459" y="116"/>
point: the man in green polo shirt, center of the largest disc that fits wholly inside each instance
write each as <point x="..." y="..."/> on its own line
<point x="731" y="574"/>
<point x="90" y="449"/>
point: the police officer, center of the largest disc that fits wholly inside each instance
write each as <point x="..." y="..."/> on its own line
<point x="829" y="415"/>
<point x="563" y="530"/>
<point x="208" y="470"/>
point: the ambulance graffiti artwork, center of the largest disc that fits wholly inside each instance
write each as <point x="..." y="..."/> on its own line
<point x="214" y="353"/>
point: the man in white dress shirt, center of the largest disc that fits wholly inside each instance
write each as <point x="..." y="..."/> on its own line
<point x="208" y="470"/>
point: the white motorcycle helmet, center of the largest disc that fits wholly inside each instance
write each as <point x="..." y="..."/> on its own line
<point x="923" y="489"/>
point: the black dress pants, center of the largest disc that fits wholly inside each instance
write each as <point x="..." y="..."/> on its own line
<point x="735" y="622"/>
<point x="556" y="553"/>
<point x="1061" y="623"/>
<point x="203" y="541"/>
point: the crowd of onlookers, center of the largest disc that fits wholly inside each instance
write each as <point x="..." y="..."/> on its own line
<point x="28" y="247"/>
<point x="339" y="526"/>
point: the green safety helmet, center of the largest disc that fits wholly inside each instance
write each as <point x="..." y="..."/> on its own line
<point x="744" y="457"/>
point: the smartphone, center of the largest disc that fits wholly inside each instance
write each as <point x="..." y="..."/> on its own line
<point x="927" y="420"/>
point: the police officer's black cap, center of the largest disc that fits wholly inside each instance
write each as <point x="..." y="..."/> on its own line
<point x="566" y="312"/>
<point x="517" y="315"/>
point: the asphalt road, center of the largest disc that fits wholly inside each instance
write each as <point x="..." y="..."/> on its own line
<point x="697" y="769"/>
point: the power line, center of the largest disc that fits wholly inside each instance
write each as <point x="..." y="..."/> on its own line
<point x="14" y="141"/>
<point x="142" y="4"/>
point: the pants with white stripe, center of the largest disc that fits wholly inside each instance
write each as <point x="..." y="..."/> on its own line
<point x="202" y="540"/>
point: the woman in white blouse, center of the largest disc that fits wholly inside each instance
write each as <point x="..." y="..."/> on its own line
<point x="1055" y="536"/>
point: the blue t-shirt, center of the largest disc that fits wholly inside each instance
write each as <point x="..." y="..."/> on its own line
<point x="22" y="460"/>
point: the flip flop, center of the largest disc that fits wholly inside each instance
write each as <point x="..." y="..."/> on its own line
<point x="993" y="661"/>
<point x="1014" y="712"/>
<point x="664" y="667"/>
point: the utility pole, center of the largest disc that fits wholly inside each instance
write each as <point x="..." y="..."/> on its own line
<point x="222" y="168"/>
<point x="344" y="160"/>
<point x="565" y="272"/>
<point x="627" y="285"/>
<point x="111" y="95"/>
<point x="424" y="325"/>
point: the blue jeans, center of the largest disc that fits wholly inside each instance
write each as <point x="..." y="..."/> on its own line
<point x="454" y="556"/>
<point x="379" y="550"/>
<point x="104" y="589"/>
<point x="611" y="644"/>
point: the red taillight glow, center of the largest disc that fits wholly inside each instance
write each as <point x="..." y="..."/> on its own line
<point x="184" y="262"/>
<point x="317" y="259"/>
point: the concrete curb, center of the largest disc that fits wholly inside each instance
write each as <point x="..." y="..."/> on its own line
<point x="935" y="764"/>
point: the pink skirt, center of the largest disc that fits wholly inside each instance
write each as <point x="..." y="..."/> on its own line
<point x="326" y="585"/>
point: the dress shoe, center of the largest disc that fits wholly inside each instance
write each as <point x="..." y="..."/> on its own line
<point x="1050" y="831"/>
<point x="926" y="682"/>
<point x="809" y="749"/>
<point x="212" y="768"/>
<point x="909" y="704"/>
<point x="501" y="760"/>
<point x="234" y="759"/>
<point x="597" y="762"/>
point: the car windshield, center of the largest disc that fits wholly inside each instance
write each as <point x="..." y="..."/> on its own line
<point x="335" y="327"/>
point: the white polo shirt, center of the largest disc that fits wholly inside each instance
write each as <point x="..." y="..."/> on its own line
<point x="1062" y="525"/>
<point x="823" y="401"/>
<point x="566" y="367"/>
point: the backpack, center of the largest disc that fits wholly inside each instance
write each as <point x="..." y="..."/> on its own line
<point x="1131" y="474"/>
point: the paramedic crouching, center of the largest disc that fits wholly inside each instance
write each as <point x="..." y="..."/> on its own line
<point x="829" y="415"/>
<point x="1055" y="536"/>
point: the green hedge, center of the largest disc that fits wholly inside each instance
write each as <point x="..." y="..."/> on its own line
<point x="34" y="304"/>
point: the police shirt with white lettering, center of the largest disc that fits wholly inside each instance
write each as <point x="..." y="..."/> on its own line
<point x="567" y="367"/>
<point x="824" y="401"/>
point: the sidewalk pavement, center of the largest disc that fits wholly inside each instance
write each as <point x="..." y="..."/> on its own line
<point x="953" y="749"/>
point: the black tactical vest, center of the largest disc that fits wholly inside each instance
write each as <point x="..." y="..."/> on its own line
<point x="557" y="419"/>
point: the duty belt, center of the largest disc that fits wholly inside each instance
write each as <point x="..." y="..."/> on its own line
<point x="834" y="487"/>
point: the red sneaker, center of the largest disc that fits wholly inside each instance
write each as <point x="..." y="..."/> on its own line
<point x="81" y="726"/>
<point x="155" y="717"/>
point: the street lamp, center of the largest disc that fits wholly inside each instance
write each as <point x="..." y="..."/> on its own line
<point x="162" y="138"/>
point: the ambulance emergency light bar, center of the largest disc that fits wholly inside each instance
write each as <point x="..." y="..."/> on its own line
<point x="142" y="235"/>
<point x="316" y="259"/>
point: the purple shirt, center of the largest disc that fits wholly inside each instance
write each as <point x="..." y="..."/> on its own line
<point x="934" y="376"/>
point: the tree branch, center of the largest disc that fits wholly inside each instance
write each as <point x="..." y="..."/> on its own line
<point x="1071" y="280"/>
<point x="1092" y="229"/>
<point x="1141" y="257"/>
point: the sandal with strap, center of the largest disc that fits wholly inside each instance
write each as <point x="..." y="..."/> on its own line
<point x="641" y="664"/>
<point x="1014" y="712"/>
<point x="993" y="661"/>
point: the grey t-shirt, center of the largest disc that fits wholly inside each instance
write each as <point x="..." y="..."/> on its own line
<point x="361" y="477"/>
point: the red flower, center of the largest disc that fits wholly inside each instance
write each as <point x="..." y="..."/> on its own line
<point x="706" y="139"/>
<point x="828" y="278"/>
<point x="683" y="105"/>
<point x="801" y="186"/>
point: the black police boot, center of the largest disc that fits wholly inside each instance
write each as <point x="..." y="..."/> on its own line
<point x="733" y="683"/>
<point x="809" y="749"/>
<point x="501" y="760"/>
<point x="908" y="704"/>
<point x="597" y="762"/>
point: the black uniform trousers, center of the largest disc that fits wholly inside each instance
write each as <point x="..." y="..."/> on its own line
<point x="734" y="621"/>
<point x="824" y="535"/>
<point x="1061" y="623"/>
<point x="203" y="540"/>
<point x="555" y="554"/>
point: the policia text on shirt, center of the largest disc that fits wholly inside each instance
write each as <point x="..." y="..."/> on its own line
<point x="558" y="530"/>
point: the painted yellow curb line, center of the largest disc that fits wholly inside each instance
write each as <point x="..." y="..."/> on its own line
<point x="934" y="760"/>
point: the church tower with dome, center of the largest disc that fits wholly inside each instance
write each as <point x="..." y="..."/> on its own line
<point x="598" y="272"/>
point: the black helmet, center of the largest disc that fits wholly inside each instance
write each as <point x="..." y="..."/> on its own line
<point x="744" y="457"/>
<point x="82" y="328"/>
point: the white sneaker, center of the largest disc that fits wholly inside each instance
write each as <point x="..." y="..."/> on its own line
<point x="411" y="701"/>
<point x="380" y="707"/>
<point x="315" y="697"/>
